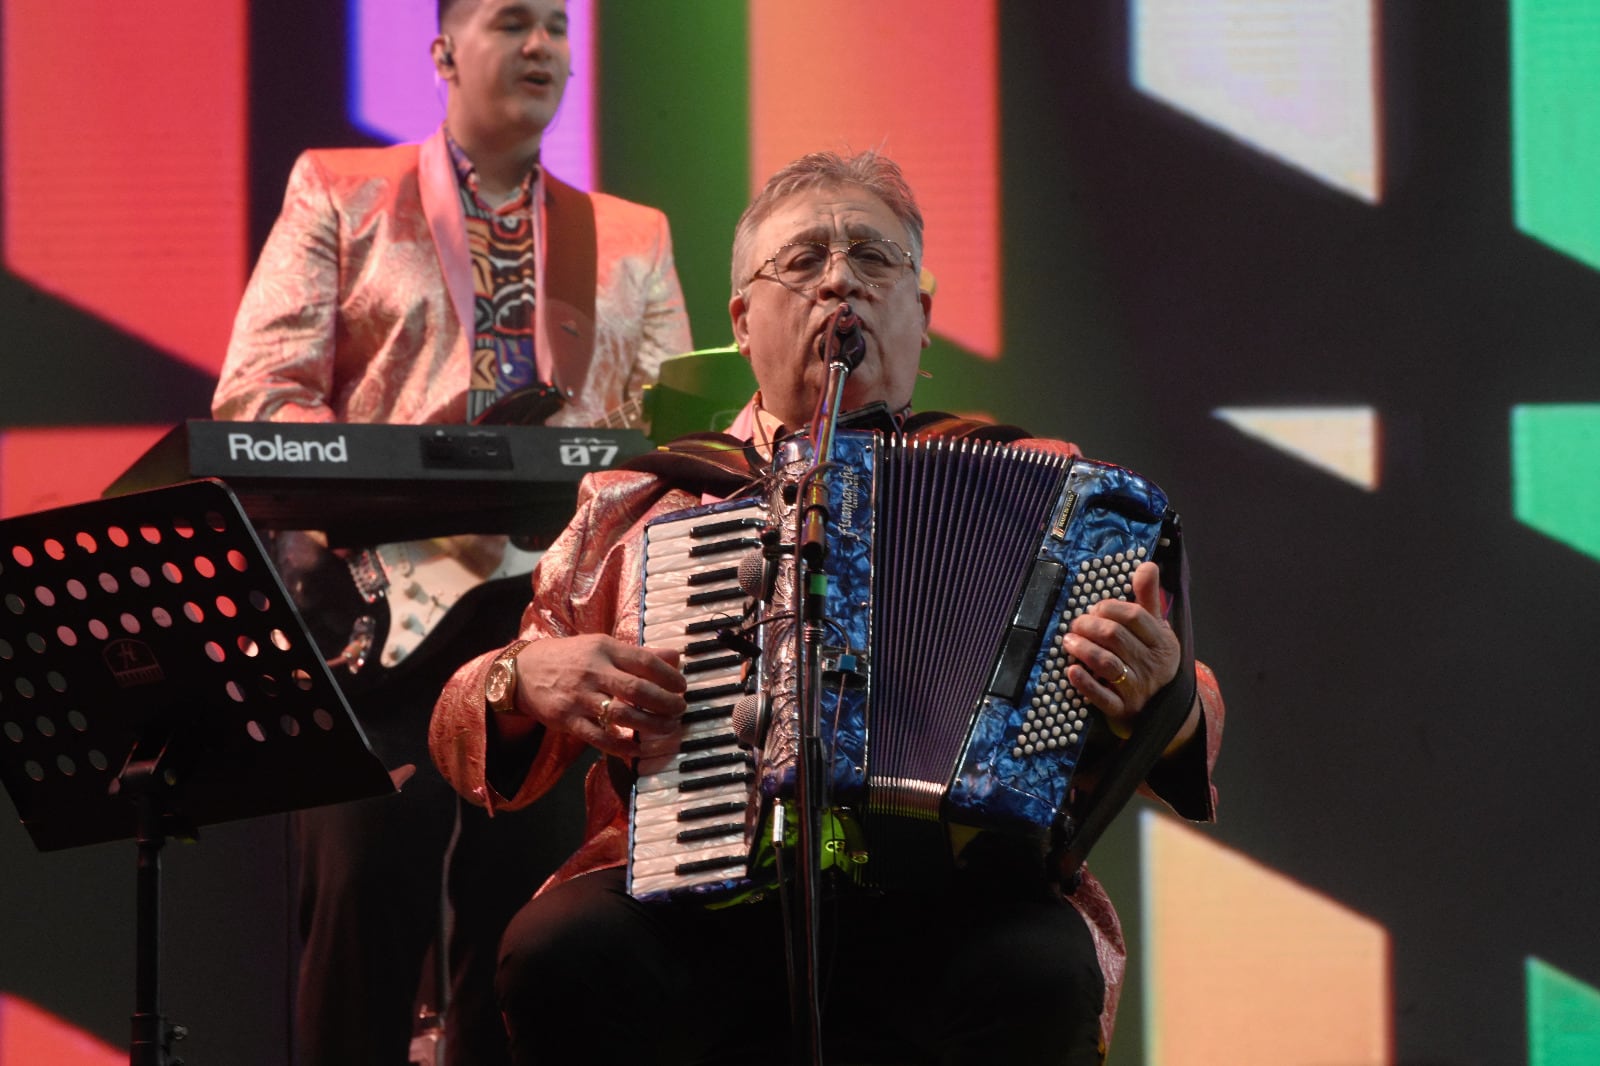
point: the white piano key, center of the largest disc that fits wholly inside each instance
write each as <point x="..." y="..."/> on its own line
<point x="654" y="858"/>
<point x="674" y="779"/>
<point x="672" y="799"/>
<point x="649" y="768"/>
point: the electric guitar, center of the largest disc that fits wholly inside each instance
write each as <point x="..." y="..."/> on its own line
<point x="375" y="609"/>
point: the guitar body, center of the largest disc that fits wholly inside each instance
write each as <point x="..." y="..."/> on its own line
<point x="372" y="611"/>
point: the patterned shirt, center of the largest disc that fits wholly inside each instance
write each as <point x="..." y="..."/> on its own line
<point x="504" y="267"/>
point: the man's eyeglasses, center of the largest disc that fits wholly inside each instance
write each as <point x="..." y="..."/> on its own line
<point x="799" y="267"/>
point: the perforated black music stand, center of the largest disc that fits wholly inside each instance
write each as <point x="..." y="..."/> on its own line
<point x="154" y="678"/>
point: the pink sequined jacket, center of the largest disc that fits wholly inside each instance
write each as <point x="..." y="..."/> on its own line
<point x="588" y="582"/>
<point x="361" y="305"/>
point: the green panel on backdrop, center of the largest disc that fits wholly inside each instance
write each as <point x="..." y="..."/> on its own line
<point x="1555" y="118"/>
<point x="1563" y="1018"/>
<point x="673" y="118"/>
<point x="1555" y="472"/>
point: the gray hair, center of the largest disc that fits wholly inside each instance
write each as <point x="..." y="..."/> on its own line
<point x="877" y="174"/>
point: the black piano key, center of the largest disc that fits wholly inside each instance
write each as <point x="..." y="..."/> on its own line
<point x="700" y="647"/>
<point x="707" y="714"/>
<point x="709" y="832"/>
<point x="704" y="866"/>
<point x="711" y="762"/>
<point x="718" y="740"/>
<point x="700" y="599"/>
<point x="731" y="525"/>
<point x="700" y="551"/>
<point x="713" y="577"/>
<point x="710" y="810"/>
<point x="700" y="695"/>
<point x="704" y="666"/>
<point x="700" y="784"/>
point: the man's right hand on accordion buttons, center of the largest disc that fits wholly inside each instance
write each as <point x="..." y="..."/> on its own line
<point x="1127" y="652"/>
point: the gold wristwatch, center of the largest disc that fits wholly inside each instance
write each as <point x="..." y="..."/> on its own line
<point x="500" y="687"/>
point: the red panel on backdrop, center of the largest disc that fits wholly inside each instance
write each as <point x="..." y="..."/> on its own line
<point x="125" y="189"/>
<point x="927" y="93"/>
<point x="30" y="1036"/>
<point x="55" y="467"/>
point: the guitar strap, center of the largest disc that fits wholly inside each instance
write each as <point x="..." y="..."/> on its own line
<point x="569" y="281"/>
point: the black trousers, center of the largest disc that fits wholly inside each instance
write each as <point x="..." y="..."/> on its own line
<point x="982" y="973"/>
<point x="373" y="873"/>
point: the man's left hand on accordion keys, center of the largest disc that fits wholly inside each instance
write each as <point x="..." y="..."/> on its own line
<point x="623" y="699"/>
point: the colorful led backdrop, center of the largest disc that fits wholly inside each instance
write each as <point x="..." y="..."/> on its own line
<point x="1324" y="269"/>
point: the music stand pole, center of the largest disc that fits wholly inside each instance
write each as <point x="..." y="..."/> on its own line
<point x="145" y="780"/>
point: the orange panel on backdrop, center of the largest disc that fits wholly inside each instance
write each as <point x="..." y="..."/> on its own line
<point x="30" y="1036"/>
<point x="58" y="466"/>
<point x="1245" y="966"/>
<point x="927" y="93"/>
<point x="125" y="163"/>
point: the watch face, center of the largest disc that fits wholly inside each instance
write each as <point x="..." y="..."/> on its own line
<point x="499" y="682"/>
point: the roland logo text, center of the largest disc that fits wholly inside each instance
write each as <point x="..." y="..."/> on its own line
<point x="280" y="449"/>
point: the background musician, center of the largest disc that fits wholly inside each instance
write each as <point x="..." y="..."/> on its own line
<point x="997" y="966"/>
<point x="421" y="283"/>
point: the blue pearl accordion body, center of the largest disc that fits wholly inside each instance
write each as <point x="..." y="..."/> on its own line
<point x="951" y="567"/>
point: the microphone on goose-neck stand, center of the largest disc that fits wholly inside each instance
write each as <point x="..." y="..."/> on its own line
<point x="843" y="347"/>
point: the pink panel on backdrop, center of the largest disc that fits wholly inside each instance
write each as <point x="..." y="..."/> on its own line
<point x="1247" y="967"/>
<point x="58" y="466"/>
<point x="125" y="156"/>
<point x="30" y="1036"/>
<point x="918" y="81"/>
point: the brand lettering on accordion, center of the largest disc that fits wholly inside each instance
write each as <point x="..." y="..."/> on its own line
<point x="852" y="496"/>
<point x="278" y="449"/>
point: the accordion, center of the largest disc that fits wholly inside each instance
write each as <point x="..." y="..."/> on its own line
<point x="952" y="567"/>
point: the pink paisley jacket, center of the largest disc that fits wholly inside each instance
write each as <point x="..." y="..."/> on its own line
<point x="361" y="305"/>
<point x="588" y="582"/>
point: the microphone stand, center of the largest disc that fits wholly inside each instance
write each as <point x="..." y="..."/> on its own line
<point x="843" y="349"/>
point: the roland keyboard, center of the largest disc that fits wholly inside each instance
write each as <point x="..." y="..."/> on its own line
<point x="370" y="482"/>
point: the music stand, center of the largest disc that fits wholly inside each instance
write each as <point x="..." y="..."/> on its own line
<point x="154" y="678"/>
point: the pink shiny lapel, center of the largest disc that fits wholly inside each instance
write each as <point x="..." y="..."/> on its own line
<point x="441" y="203"/>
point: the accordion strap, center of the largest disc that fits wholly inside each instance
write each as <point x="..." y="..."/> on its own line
<point x="707" y="463"/>
<point x="939" y="424"/>
<point x="1159" y="722"/>
<point x="721" y="465"/>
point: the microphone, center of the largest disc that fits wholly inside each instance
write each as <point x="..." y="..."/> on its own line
<point x="753" y="575"/>
<point x="845" y="342"/>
